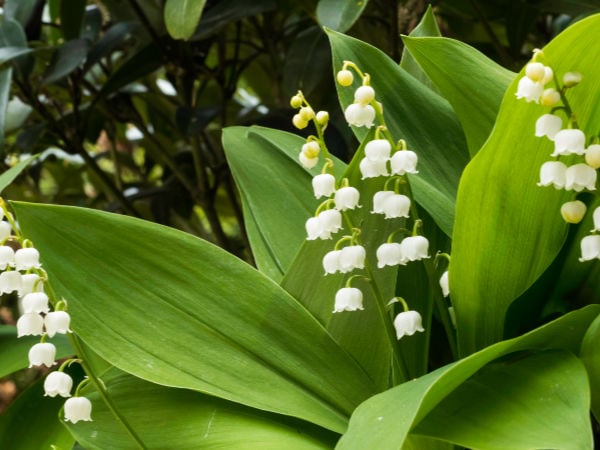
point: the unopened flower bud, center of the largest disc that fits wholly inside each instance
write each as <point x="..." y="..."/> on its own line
<point x="592" y="156"/>
<point x="311" y="149"/>
<point x="364" y="95"/>
<point x="299" y="122"/>
<point x="550" y="97"/>
<point x="296" y="101"/>
<point x="571" y="79"/>
<point x="322" y="117"/>
<point x="573" y="212"/>
<point x="307" y="113"/>
<point x="345" y="77"/>
<point x="535" y="71"/>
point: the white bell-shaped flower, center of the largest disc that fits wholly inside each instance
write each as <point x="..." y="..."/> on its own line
<point x="364" y="95"/>
<point x="444" y="284"/>
<point x="404" y="161"/>
<point x="529" y="90"/>
<point x="58" y="383"/>
<point x="57" y="322"/>
<point x="570" y="141"/>
<point x="592" y="156"/>
<point x="323" y="185"/>
<point x="78" y="408"/>
<point x="352" y="257"/>
<point x="331" y="261"/>
<point x="307" y="162"/>
<point x="389" y="254"/>
<point x="42" y="354"/>
<point x="36" y="302"/>
<point x="348" y="299"/>
<point x="379" y="199"/>
<point x="408" y="323"/>
<point x="596" y="218"/>
<point x="548" y="125"/>
<point x="372" y="169"/>
<point x="10" y="281"/>
<point x="553" y="173"/>
<point x="378" y="150"/>
<point x="573" y="212"/>
<point x="7" y="257"/>
<point x="27" y="258"/>
<point x="415" y="248"/>
<point x="359" y="115"/>
<point x="5" y="230"/>
<point x="330" y="220"/>
<point x="579" y="177"/>
<point x="30" y="282"/>
<point x="590" y="248"/>
<point x="396" y="205"/>
<point x="314" y="229"/>
<point x="31" y="324"/>
<point x="346" y="198"/>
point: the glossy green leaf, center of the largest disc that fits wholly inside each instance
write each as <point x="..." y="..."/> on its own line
<point x="31" y="422"/>
<point x="176" y="310"/>
<point x="71" y="18"/>
<point x="276" y="192"/>
<point x="591" y="358"/>
<point x="14" y="351"/>
<point x="508" y="230"/>
<point x="419" y="116"/>
<point x="208" y="422"/>
<point x="339" y="15"/>
<point x="9" y="53"/>
<point x="67" y="58"/>
<point x="537" y="401"/>
<point x="7" y="177"/>
<point x="385" y="420"/>
<point x="472" y="83"/>
<point x="5" y="80"/>
<point x="427" y="27"/>
<point x="182" y="17"/>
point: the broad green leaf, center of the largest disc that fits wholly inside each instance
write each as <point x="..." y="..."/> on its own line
<point x="541" y="401"/>
<point x="67" y="58"/>
<point x="419" y="116"/>
<point x="7" y="177"/>
<point x="187" y="420"/>
<point x="508" y="230"/>
<point x="182" y="17"/>
<point x="5" y="80"/>
<point x="9" y="53"/>
<point x="385" y="420"/>
<point x="31" y="422"/>
<point x="426" y="27"/>
<point x="591" y="358"/>
<point x="175" y="310"/>
<point x="14" y="351"/>
<point x="339" y="15"/>
<point x="71" y="18"/>
<point x="472" y="83"/>
<point x="276" y="192"/>
<point x="13" y="35"/>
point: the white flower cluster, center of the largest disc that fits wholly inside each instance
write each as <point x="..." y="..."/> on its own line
<point x="22" y="273"/>
<point x="380" y="159"/>
<point x="568" y="142"/>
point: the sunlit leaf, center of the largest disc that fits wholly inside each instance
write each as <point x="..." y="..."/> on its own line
<point x="182" y="17"/>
